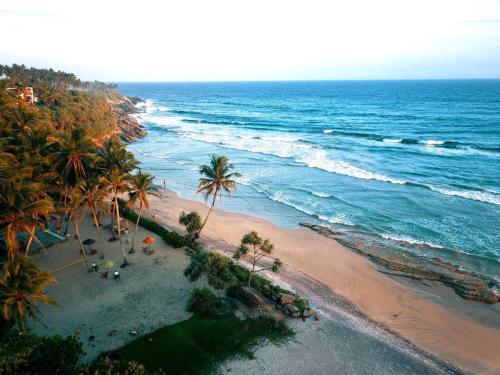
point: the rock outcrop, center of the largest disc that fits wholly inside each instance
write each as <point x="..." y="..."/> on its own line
<point x="127" y="127"/>
<point x="468" y="285"/>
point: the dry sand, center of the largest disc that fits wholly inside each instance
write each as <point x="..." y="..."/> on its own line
<point x="450" y="333"/>
<point x="151" y="293"/>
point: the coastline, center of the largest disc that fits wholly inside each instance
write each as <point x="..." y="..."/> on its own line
<point x="448" y="332"/>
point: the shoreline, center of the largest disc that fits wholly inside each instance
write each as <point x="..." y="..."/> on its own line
<point x="447" y="332"/>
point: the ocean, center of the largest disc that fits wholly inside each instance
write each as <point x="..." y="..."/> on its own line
<point x="411" y="165"/>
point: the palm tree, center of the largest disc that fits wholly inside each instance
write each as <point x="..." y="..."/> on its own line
<point x="141" y="185"/>
<point x="94" y="199"/>
<point x="75" y="204"/>
<point x="75" y="156"/>
<point x="117" y="164"/>
<point x="21" y="288"/>
<point x="217" y="178"/>
<point x="23" y="204"/>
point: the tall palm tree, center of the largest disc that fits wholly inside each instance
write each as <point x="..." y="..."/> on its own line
<point x="94" y="199"/>
<point x="21" y="288"/>
<point x="75" y="156"/>
<point x="217" y="178"/>
<point x="141" y="186"/>
<point x="117" y="164"/>
<point x="75" y="204"/>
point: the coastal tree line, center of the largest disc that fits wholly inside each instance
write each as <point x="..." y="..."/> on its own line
<point x="60" y="161"/>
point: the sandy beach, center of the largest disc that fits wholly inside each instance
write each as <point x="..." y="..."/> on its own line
<point x="396" y="327"/>
<point x="152" y="293"/>
<point x="461" y="332"/>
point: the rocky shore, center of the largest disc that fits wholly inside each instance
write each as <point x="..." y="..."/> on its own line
<point x="127" y="126"/>
<point x="468" y="285"/>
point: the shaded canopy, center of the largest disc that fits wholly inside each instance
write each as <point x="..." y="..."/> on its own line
<point x="149" y="240"/>
<point x="107" y="264"/>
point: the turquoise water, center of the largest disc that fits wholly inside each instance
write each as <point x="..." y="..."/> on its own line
<point x="413" y="164"/>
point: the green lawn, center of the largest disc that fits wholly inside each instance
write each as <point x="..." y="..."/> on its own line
<point x="196" y="345"/>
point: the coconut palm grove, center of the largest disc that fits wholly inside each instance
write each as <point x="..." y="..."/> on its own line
<point x="64" y="160"/>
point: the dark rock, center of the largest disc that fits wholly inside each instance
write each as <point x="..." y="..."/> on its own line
<point x="468" y="285"/>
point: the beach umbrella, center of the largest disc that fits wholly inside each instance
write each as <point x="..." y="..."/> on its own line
<point x="107" y="264"/>
<point x="88" y="242"/>
<point x="148" y="241"/>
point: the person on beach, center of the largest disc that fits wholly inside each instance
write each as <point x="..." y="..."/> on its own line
<point x="95" y="267"/>
<point x="116" y="275"/>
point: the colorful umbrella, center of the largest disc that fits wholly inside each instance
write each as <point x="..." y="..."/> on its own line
<point x="148" y="241"/>
<point x="107" y="264"/>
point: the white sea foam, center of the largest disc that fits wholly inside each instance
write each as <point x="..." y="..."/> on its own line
<point x="388" y="140"/>
<point x="288" y="146"/>
<point x="338" y="218"/>
<point x="328" y="131"/>
<point x="320" y="194"/>
<point x="410" y="240"/>
<point x="283" y="146"/>
<point x="477" y="195"/>
<point x="432" y="142"/>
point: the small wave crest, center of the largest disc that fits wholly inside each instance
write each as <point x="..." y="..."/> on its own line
<point x="410" y="241"/>
<point x="476" y="195"/>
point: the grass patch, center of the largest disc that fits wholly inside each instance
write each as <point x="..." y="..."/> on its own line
<point x="196" y="345"/>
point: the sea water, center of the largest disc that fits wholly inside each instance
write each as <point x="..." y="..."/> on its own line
<point x="406" y="162"/>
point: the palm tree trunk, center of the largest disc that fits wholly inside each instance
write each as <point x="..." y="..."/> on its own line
<point x="252" y="272"/>
<point x="118" y="226"/>
<point x="94" y="215"/>
<point x="77" y="232"/>
<point x="209" y="211"/>
<point x="136" y="226"/>
<point x="32" y="234"/>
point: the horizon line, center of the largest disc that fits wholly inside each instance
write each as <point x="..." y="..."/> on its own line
<point x="313" y="80"/>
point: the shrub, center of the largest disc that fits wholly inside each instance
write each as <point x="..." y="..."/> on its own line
<point x="170" y="237"/>
<point x="192" y="222"/>
<point x="33" y="355"/>
<point x="204" y="302"/>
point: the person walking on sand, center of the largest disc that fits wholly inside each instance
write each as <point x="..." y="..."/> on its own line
<point x="116" y="275"/>
<point x="95" y="267"/>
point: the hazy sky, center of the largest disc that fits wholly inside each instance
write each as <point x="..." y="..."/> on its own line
<point x="180" y="40"/>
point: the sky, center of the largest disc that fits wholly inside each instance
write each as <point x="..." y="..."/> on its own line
<point x="220" y="40"/>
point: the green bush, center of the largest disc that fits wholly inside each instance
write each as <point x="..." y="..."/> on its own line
<point x="33" y="355"/>
<point x="300" y="304"/>
<point x="196" y="346"/>
<point x="204" y="302"/>
<point x="170" y="237"/>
